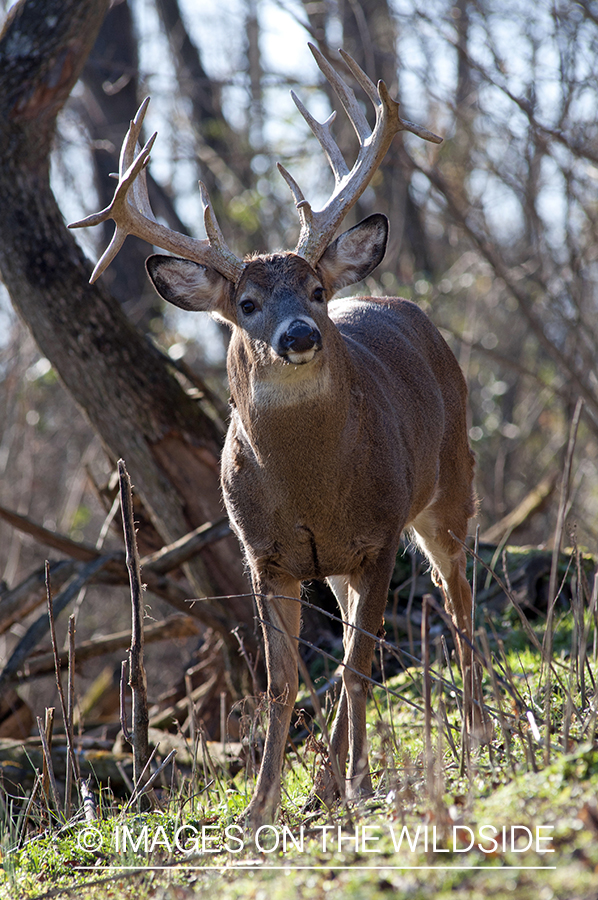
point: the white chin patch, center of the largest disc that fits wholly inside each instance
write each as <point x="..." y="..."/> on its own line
<point x="299" y="359"/>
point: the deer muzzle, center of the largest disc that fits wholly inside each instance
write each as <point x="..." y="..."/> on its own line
<point x="299" y="342"/>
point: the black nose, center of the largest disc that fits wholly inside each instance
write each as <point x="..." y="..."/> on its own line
<point x="299" y="337"/>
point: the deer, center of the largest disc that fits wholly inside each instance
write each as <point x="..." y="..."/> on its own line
<point x="348" y="426"/>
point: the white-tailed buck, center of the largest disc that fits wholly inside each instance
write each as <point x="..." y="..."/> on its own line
<point x="348" y="425"/>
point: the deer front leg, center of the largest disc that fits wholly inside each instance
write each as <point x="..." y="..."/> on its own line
<point x="281" y="617"/>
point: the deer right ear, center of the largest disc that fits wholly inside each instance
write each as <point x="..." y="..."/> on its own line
<point x="355" y="253"/>
<point x="191" y="286"/>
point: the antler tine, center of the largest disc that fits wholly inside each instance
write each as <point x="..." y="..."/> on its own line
<point x="318" y="228"/>
<point x="296" y="191"/>
<point x="226" y="258"/>
<point x="128" y="153"/>
<point x="379" y="93"/>
<point x="132" y="214"/>
<point x="344" y="94"/>
<point x="119" y="209"/>
<point x="360" y="76"/>
<point x="130" y="144"/>
<point x="323" y="133"/>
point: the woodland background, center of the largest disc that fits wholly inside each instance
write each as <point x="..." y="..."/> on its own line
<point x="493" y="233"/>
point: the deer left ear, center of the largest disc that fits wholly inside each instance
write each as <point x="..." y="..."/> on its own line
<point x="355" y="253"/>
<point x="191" y="286"/>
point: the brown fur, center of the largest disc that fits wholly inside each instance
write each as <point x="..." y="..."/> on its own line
<point x="327" y="462"/>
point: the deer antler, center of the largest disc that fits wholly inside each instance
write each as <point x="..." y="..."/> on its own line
<point x="131" y="211"/>
<point x="318" y="228"/>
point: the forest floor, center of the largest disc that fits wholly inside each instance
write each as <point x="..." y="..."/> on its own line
<point x="516" y="818"/>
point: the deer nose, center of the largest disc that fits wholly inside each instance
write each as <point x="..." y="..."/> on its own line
<point x="300" y="337"/>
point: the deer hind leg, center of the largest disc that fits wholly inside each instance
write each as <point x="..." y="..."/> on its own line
<point x="362" y="598"/>
<point x="432" y="533"/>
<point x="281" y="617"/>
<point x="327" y="788"/>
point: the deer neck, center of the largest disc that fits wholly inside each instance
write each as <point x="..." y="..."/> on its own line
<point x="306" y="406"/>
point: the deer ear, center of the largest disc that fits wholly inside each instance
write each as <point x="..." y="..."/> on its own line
<point x="355" y="253"/>
<point x="191" y="286"/>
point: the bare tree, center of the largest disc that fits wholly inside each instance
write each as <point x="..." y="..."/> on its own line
<point x="121" y="381"/>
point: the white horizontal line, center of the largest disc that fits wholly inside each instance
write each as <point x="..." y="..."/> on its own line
<point x="258" y="868"/>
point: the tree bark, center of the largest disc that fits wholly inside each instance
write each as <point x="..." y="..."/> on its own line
<point x="110" y="76"/>
<point x="120" y="381"/>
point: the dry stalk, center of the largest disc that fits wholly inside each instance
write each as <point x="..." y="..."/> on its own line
<point x="72" y="764"/>
<point x="250" y="664"/>
<point x="89" y="803"/>
<point x="137" y="677"/>
<point x="147" y="782"/>
<point x="48" y="732"/>
<point x="474" y="598"/>
<point x="122" y="706"/>
<point x="414" y="571"/>
<point x="223" y="726"/>
<point x="438" y="754"/>
<point x="394" y="739"/>
<point x="70" y="710"/>
<point x="30" y="802"/>
<point x="427" y="698"/>
<point x="190" y="706"/>
<point x="552" y="592"/>
<point x="48" y="765"/>
<point x="497" y="698"/>
<point x="193" y="736"/>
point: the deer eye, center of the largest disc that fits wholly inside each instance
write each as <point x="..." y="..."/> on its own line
<point x="247" y="306"/>
<point x="318" y="294"/>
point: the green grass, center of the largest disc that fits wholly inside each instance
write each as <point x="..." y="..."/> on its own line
<point x="469" y="815"/>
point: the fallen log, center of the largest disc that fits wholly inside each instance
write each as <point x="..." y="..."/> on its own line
<point x="175" y="626"/>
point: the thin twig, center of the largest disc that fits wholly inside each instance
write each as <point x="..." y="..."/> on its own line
<point x="123" y="710"/>
<point x="72" y="762"/>
<point x="48" y="731"/>
<point x="552" y="592"/>
<point x="148" y="783"/>
<point x="70" y="710"/>
<point x="249" y="662"/>
<point x="48" y="762"/>
<point x="137" y="677"/>
<point x="427" y="698"/>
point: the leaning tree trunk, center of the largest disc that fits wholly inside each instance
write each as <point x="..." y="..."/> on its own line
<point x="120" y="381"/>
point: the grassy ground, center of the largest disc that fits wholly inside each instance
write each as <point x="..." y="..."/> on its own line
<point x="517" y="818"/>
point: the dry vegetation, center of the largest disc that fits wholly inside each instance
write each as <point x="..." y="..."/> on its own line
<point x="495" y="236"/>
